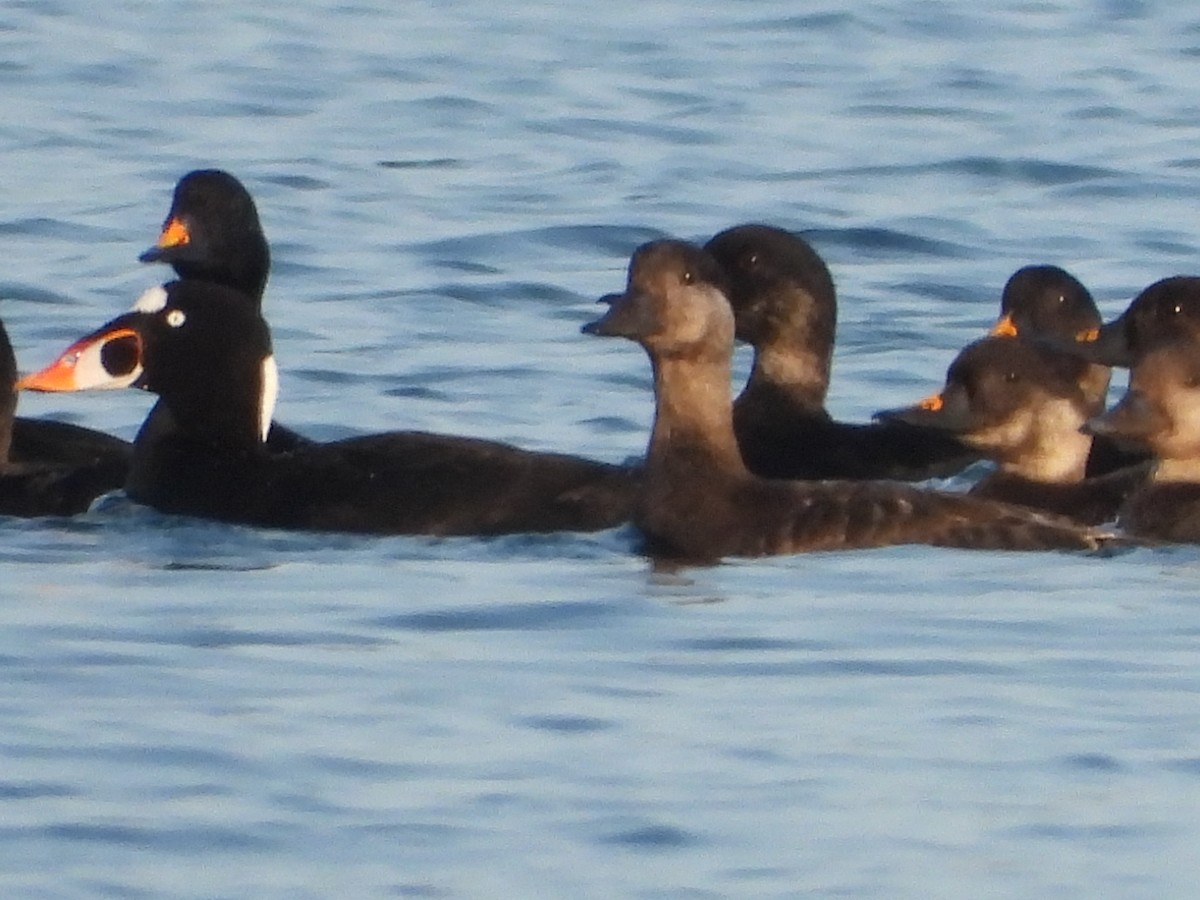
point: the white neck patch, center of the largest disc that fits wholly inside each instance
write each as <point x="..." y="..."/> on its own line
<point x="267" y="395"/>
<point x="152" y="301"/>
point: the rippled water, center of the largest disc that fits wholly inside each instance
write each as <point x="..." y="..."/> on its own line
<point x="194" y="710"/>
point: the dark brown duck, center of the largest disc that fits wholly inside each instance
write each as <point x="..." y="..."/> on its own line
<point x="1022" y="405"/>
<point x="700" y="502"/>
<point x="1161" y="411"/>
<point x="785" y="307"/>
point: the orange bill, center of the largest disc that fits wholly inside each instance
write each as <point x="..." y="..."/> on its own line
<point x="1006" y="327"/>
<point x="932" y="404"/>
<point x="111" y="359"/>
<point x="174" y="234"/>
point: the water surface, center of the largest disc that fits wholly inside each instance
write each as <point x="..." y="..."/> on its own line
<point x="197" y="710"/>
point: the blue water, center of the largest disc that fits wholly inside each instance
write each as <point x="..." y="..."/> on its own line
<point x="193" y="710"/>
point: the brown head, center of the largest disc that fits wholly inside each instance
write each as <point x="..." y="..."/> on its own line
<point x="1161" y="409"/>
<point x="1018" y="402"/>
<point x="673" y="305"/>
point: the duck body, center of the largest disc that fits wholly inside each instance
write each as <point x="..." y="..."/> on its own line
<point x="393" y="483"/>
<point x="778" y="440"/>
<point x="699" y="502"/>
<point x="785" y="306"/>
<point x="208" y="356"/>
<point x="1095" y="500"/>
<point x="47" y="441"/>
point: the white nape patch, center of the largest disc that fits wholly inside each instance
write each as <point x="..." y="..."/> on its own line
<point x="267" y="396"/>
<point x="152" y="301"/>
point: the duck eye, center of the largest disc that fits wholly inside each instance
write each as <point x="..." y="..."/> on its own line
<point x="688" y="278"/>
<point x="176" y="317"/>
<point x="1011" y="377"/>
<point x="1062" y="298"/>
<point x="1177" y="309"/>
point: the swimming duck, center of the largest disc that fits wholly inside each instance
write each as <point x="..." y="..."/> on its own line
<point x="1161" y="411"/>
<point x="785" y="306"/>
<point x="206" y="352"/>
<point x="1164" y="311"/>
<point x="49" y="484"/>
<point x="212" y="233"/>
<point x="699" y="502"/>
<point x="1022" y="404"/>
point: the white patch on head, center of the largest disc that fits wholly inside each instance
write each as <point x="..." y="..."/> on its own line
<point x="268" y="392"/>
<point x="176" y="317"/>
<point x="152" y="301"/>
<point x="90" y="373"/>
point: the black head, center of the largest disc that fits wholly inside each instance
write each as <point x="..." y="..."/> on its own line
<point x="197" y="345"/>
<point x="1045" y="302"/>
<point x="779" y="287"/>
<point x="674" y="303"/>
<point x="212" y="233"/>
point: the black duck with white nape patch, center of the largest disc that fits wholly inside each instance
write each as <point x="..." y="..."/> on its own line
<point x="700" y="503"/>
<point x="212" y="233"/>
<point x="784" y="305"/>
<point x="207" y="354"/>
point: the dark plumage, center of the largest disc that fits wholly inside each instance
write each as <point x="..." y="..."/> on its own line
<point x="63" y="468"/>
<point x="1164" y="311"/>
<point x="699" y="502"/>
<point x="212" y="233"/>
<point x="207" y="354"/>
<point x="1022" y="405"/>
<point x="784" y="305"/>
<point x="1161" y="411"/>
<point x="1048" y="304"/>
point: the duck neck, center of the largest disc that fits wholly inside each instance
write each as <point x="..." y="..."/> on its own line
<point x="693" y="418"/>
<point x="1177" y="470"/>
<point x="1061" y="458"/>
<point x="1043" y="443"/>
<point x="798" y="375"/>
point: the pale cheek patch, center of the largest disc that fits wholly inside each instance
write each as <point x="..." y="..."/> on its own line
<point x="91" y="374"/>
<point x="152" y="301"/>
